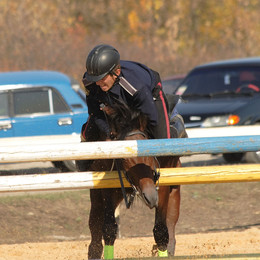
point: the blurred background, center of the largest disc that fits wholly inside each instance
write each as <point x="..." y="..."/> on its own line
<point x="170" y="36"/>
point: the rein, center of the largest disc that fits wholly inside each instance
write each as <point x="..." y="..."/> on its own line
<point x="118" y="162"/>
<point x="128" y="202"/>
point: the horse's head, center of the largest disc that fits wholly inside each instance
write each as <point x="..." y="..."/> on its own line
<point x="129" y="124"/>
<point x="123" y="121"/>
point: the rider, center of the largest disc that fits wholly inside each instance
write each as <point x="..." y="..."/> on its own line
<point x="108" y="78"/>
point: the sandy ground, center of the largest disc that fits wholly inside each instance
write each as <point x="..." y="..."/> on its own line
<point x="221" y="243"/>
<point x="245" y="241"/>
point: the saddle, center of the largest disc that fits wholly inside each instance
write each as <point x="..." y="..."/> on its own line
<point x="177" y="127"/>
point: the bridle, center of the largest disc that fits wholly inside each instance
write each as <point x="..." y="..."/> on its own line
<point x="119" y="167"/>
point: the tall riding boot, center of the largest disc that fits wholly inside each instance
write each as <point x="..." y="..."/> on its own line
<point x="177" y="127"/>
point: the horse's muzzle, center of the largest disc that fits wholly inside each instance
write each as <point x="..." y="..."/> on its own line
<point x="150" y="197"/>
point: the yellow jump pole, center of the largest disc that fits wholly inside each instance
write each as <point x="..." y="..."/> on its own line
<point x="169" y="176"/>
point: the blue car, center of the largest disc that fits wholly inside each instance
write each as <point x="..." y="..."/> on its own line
<point x="35" y="103"/>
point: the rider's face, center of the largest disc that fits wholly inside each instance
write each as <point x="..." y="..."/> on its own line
<point x="108" y="81"/>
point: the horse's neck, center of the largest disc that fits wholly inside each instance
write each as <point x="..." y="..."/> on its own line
<point x="137" y="134"/>
<point x="103" y="165"/>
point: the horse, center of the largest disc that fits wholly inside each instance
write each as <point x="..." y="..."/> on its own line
<point x="142" y="174"/>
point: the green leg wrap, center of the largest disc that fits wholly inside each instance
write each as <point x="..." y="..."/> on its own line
<point x="162" y="253"/>
<point x="108" y="252"/>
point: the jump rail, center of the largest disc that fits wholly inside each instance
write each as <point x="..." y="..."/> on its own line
<point x="169" y="176"/>
<point x="121" y="149"/>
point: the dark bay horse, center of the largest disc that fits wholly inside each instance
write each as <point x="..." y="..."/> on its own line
<point x="126" y="124"/>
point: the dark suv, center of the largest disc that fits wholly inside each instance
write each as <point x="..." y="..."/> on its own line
<point x="222" y="93"/>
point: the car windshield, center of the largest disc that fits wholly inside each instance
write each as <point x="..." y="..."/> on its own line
<point x="214" y="81"/>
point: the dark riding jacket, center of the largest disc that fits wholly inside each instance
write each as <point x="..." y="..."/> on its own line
<point x="148" y="97"/>
<point x="138" y="75"/>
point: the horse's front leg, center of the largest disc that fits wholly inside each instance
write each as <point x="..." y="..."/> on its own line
<point x="96" y="220"/>
<point x="160" y="230"/>
<point x="167" y="213"/>
<point x="111" y="198"/>
<point x="173" y="216"/>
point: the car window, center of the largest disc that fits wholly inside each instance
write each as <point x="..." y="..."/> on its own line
<point x="216" y="80"/>
<point x="30" y="102"/>
<point x="45" y="100"/>
<point x="59" y="105"/>
<point x="3" y="104"/>
<point x="82" y="94"/>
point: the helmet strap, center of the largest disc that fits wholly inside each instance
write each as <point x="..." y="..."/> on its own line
<point x="112" y="73"/>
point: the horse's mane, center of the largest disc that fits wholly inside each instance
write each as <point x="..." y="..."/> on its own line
<point x="124" y="119"/>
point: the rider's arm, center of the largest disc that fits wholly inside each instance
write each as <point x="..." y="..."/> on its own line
<point x="143" y="100"/>
<point x="96" y="113"/>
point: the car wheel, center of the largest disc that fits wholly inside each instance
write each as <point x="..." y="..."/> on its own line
<point x="253" y="157"/>
<point x="66" y="166"/>
<point x="233" y="157"/>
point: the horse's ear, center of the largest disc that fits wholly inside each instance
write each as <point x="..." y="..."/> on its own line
<point x="143" y="122"/>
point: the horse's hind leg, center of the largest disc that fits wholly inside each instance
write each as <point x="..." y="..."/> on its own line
<point x="173" y="216"/>
<point x="96" y="219"/>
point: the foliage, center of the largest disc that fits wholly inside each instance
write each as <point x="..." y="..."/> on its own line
<point x="171" y="36"/>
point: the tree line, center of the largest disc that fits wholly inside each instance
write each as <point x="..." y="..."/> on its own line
<point x="170" y="36"/>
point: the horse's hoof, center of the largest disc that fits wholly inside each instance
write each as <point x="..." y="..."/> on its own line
<point x="163" y="253"/>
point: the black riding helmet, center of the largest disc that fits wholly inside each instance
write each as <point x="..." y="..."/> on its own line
<point x="100" y="61"/>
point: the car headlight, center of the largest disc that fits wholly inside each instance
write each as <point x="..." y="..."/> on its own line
<point x="226" y="120"/>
